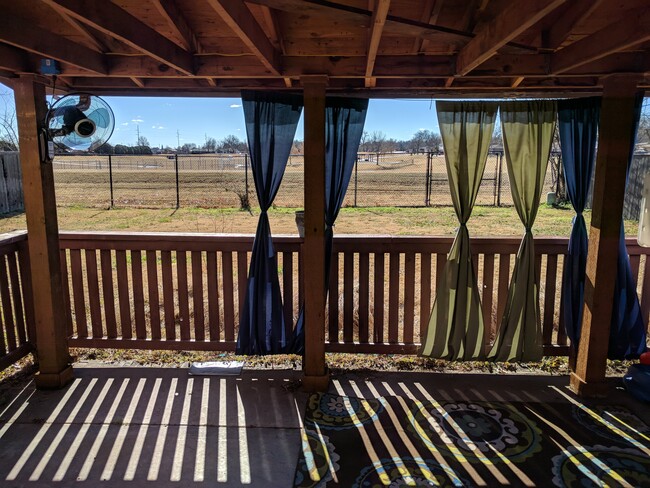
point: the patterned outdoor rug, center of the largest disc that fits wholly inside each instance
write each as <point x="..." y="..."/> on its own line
<point x="395" y="441"/>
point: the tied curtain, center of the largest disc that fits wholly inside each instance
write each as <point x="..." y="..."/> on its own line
<point x="578" y="128"/>
<point x="627" y="333"/>
<point x="456" y="329"/>
<point x="527" y="135"/>
<point x="344" y="121"/>
<point x="271" y="121"/>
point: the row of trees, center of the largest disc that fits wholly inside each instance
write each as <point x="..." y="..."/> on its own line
<point x="229" y="144"/>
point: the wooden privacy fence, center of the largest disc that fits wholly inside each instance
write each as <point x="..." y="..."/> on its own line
<point x="184" y="291"/>
<point x="17" y="317"/>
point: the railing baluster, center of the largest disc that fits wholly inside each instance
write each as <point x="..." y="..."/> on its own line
<point x="109" y="293"/>
<point x="348" y="297"/>
<point x="364" y="292"/>
<point x="183" y="304"/>
<point x="287" y="291"/>
<point x="409" y="297"/>
<point x="138" y="295"/>
<point x="214" y="319"/>
<point x="9" y="325"/>
<point x="487" y="299"/>
<point x="16" y="293"/>
<point x="393" y="298"/>
<point x="333" y="299"/>
<point x="197" y="296"/>
<point x="549" y="299"/>
<point x="504" y="281"/>
<point x="78" y="293"/>
<point x="93" y="294"/>
<point x="378" y="305"/>
<point x="65" y="283"/>
<point x="635" y="260"/>
<point x="242" y="279"/>
<point x="425" y="292"/>
<point x="228" y="296"/>
<point x="154" y="294"/>
<point x="123" y="294"/>
<point x="168" y="295"/>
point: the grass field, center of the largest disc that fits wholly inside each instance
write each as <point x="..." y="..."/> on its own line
<point x="436" y="221"/>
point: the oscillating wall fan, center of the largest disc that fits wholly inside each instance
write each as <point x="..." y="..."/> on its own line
<point x="80" y="122"/>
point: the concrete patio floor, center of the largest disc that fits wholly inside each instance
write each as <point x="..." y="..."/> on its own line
<point x="143" y="426"/>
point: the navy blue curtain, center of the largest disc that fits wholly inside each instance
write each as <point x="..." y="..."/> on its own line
<point x="578" y="127"/>
<point x="627" y="335"/>
<point x="344" y="121"/>
<point x="271" y="121"/>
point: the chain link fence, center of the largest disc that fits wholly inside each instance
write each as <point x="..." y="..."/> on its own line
<point x="226" y="180"/>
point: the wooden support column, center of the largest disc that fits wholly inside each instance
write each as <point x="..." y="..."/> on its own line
<point x="43" y="238"/>
<point x="316" y="376"/>
<point x="615" y="142"/>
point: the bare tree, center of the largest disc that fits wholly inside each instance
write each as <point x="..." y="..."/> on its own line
<point x="8" y="127"/>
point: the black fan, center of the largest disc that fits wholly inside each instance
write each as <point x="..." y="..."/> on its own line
<point x="80" y="122"/>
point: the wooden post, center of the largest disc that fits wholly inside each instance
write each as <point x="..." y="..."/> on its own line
<point x="43" y="238"/>
<point x="316" y="376"/>
<point x="615" y="142"/>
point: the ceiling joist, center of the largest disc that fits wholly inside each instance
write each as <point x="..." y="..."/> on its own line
<point x="516" y="18"/>
<point x="616" y="37"/>
<point x="177" y="22"/>
<point x="377" y="27"/>
<point x="110" y="19"/>
<point x="50" y="45"/>
<point x="575" y="12"/>
<point x="240" y="20"/>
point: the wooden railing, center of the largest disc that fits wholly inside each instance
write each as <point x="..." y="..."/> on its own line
<point x="17" y="335"/>
<point x="184" y="291"/>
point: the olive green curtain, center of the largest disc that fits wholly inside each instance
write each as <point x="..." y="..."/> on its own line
<point x="527" y="135"/>
<point x="455" y="329"/>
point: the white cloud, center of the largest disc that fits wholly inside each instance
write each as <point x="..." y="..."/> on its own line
<point x="125" y="123"/>
<point x="235" y="105"/>
<point x="137" y="120"/>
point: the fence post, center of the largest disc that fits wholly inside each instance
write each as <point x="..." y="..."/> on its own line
<point x="500" y="164"/>
<point x="178" y="196"/>
<point x="246" y="173"/>
<point x="356" y="179"/>
<point x="110" y="178"/>
<point x="427" y="182"/>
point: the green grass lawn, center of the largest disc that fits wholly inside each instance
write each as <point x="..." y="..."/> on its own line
<point x="436" y="221"/>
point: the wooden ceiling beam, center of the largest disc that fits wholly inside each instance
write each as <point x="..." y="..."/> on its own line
<point x="178" y="23"/>
<point x="618" y="36"/>
<point x="240" y="20"/>
<point x="398" y="26"/>
<point x="575" y="12"/>
<point x="430" y="15"/>
<point x="76" y="25"/>
<point x="13" y="59"/>
<point x="14" y="31"/>
<point x="113" y="21"/>
<point x="377" y="26"/>
<point x="515" y="19"/>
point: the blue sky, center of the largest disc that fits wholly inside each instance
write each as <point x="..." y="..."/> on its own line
<point x="159" y="119"/>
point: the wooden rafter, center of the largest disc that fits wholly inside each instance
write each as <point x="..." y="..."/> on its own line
<point x="112" y="20"/>
<point x="515" y="19"/>
<point x="177" y="22"/>
<point x="616" y="37"/>
<point x="48" y="44"/>
<point x="81" y="29"/>
<point x="430" y="14"/>
<point x="377" y="26"/>
<point x="237" y="16"/>
<point x="275" y="33"/>
<point x="137" y="81"/>
<point x="575" y="12"/>
<point x="12" y="59"/>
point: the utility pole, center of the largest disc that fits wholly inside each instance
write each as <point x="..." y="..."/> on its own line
<point x="178" y="139"/>
<point x="137" y="129"/>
